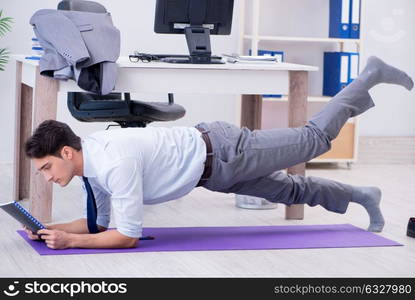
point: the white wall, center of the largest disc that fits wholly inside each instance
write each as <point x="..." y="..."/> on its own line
<point x="135" y="19"/>
<point x="389" y="32"/>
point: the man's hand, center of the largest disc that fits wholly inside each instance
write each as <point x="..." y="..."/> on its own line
<point x="56" y="239"/>
<point x="60" y="239"/>
<point x="31" y="235"/>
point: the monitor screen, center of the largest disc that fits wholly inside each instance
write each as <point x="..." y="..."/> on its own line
<point x="173" y="16"/>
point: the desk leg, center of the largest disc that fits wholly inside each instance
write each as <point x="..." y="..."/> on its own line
<point x="251" y="111"/>
<point x="23" y="120"/>
<point x="39" y="102"/>
<point x="297" y="111"/>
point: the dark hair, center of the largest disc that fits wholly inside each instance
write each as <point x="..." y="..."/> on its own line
<point x="49" y="138"/>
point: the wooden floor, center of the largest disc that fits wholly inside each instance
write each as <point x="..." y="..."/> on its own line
<point x="204" y="208"/>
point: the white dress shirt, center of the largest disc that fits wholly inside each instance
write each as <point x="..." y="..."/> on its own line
<point x="130" y="167"/>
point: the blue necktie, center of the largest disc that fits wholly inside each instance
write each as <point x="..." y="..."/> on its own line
<point x="91" y="208"/>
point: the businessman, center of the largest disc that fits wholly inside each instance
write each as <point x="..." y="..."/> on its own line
<point x="121" y="170"/>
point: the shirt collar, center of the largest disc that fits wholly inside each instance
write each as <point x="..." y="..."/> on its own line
<point x="89" y="169"/>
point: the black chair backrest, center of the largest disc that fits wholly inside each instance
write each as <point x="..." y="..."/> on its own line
<point x="81" y="5"/>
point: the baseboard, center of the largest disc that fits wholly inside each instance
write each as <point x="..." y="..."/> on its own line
<point x="386" y="150"/>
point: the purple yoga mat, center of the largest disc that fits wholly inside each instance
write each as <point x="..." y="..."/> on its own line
<point x="239" y="238"/>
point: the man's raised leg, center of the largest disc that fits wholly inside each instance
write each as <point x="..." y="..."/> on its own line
<point x="355" y="99"/>
<point x="260" y="152"/>
<point x="253" y="155"/>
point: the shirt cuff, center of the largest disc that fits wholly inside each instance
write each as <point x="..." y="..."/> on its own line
<point x="131" y="233"/>
<point x="103" y="221"/>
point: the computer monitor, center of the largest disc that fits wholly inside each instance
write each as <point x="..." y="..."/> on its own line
<point x="197" y="19"/>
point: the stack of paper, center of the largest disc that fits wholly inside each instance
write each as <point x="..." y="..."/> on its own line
<point x="235" y="58"/>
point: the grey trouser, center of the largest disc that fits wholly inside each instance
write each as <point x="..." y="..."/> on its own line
<point x="248" y="162"/>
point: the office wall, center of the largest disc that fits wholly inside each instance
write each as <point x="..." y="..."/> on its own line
<point x="135" y="19"/>
<point x="389" y="32"/>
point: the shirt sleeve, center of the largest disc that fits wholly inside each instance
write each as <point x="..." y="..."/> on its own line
<point x="103" y="206"/>
<point x="125" y="181"/>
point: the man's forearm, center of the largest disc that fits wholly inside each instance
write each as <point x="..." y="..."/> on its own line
<point x="107" y="239"/>
<point x="77" y="226"/>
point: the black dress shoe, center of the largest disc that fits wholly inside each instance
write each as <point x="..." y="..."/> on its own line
<point x="411" y="228"/>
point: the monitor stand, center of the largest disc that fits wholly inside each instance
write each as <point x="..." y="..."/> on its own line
<point x="198" y="42"/>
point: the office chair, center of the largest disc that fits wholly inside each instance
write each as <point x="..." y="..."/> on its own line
<point x="87" y="107"/>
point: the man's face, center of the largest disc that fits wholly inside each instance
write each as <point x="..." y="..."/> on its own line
<point x="55" y="169"/>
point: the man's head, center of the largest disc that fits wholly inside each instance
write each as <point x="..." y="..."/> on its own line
<point x="56" y="151"/>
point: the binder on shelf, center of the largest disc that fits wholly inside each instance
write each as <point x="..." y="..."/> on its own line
<point x="280" y="58"/>
<point x="355" y="19"/>
<point x="339" y="24"/>
<point x="354" y="66"/>
<point x="336" y="72"/>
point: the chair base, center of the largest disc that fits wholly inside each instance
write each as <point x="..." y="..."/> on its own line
<point x="127" y="113"/>
<point x="126" y="124"/>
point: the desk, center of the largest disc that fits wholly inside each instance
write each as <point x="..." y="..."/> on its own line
<point x="36" y="101"/>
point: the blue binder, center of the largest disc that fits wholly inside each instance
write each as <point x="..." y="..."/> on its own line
<point x="339" y="26"/>
<point x="280" y="58"/>
<point x="355" y="19"/>
<point x="336" y="72"/>
<point x="353" y="66"/>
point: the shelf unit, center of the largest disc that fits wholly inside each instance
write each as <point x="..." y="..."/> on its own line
<point x="297" y="39"/>
<point x="310" y="99"/>
<point x="344" y="147"/>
